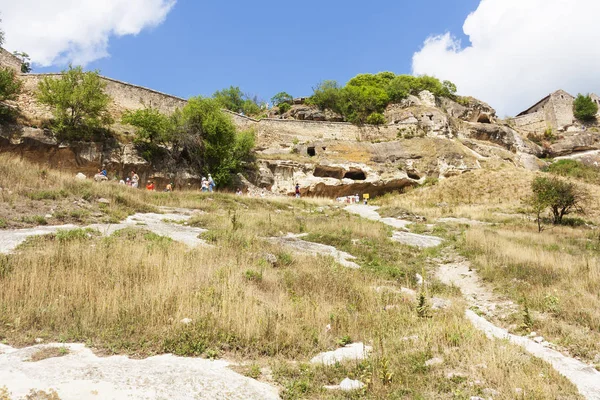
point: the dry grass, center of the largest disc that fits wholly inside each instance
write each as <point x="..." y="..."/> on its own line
<point x="556" y="272"/>
<point x="129" y="292"/>
<point x="48" y="352"/>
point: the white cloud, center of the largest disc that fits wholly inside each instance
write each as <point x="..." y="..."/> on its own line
<point x="520" y="51"/>
<point x="55" y="32"/>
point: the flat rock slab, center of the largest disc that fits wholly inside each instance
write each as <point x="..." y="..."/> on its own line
<point x="304" y="247"/>
<point x="370" y="213"/>
<point x="585" y="377"/>
<point x="416" y="240"/>
<point x="462" y="221"/>
<point x="81" y="375"/>
<point x="161" y="224"/>
<point x="354" y="351"/>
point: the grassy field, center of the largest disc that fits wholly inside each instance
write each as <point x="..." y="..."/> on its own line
<point x="128" y="293"/>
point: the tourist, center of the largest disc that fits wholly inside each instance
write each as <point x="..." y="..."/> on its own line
<point x="169" y="187"/>
<point x="297" y="191"/>
<point x="101" y="176"/>
<point x="135" y="180"/>
<point x="128" y="181"/>
<point x="121" y="182"/>
<point x="238" y="192"/>
<point x="204" y="184"/>
<point x="150" y="185"/>
<point x="211" y="183"/>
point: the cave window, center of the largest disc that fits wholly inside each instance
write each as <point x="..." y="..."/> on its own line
<point x="311" y="151"/>
<point x="484" y="119"/>
<point x="355" y="175"/>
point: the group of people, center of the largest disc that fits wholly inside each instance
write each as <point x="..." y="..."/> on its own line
<point x="208" y="185"/>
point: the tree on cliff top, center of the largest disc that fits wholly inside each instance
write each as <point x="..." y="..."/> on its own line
<point x="584" y="108"/>
<point x="10" y="87"/>
<point x="150" y="123"/>
<point x="234" y="100"/>
<point x="78" y="103"/>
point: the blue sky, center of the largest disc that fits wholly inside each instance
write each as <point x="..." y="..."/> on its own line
<point x="508" y="53"/>
<point x="271" y="46"/>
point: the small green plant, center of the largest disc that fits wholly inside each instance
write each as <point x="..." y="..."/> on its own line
<point x="422" y="306"/>
<point x="35" y="219"/>
<point x="252" y="371"/>
<point x="527" y="317"/>
<point x="284" y="107"/>
<point x="549" y="134"/>
<point x="376" y="119"/>
<point x="3" y="223"/>
<point x="253" y="276"/>
<point x="344" y="340"/>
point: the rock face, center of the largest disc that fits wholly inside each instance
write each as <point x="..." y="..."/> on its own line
<point x="86" y="158"/>
<point x="471" y="110"/>
<point x="573" y="143"/>
<point x="304" y="112"/>
<point x="501" y="135"/>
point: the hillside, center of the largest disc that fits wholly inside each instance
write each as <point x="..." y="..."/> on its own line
<point x="455" y="281"/>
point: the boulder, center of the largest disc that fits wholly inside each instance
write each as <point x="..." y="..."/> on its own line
<point x="578" y="142"/>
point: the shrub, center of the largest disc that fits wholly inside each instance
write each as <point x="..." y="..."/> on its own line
<point x="376" y="119"/>
<point x="234" y="100"/>
<point x="10" y="87"/>
<point x="284" y="107"/>
<point x="584" y="108"/>
<point x="78" y="102"/>
<point x="562" y="197"/>
<point x="150" y="123"/>
<point x="282" y="97"/>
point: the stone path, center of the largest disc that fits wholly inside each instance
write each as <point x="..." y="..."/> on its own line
<point x="81" y="375"/>
<point x="402" y="236"/>
<point x="303" y="247"/>
<point x="161" y="224"/>
<point x="458" y="273"/>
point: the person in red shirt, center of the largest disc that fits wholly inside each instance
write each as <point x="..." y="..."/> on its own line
<point x="150" y="185"/>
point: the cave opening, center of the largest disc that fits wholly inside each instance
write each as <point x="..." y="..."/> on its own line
<point x="355" y="175"/>
<point x="484" y="119"/>
<point x="311" y="151"/>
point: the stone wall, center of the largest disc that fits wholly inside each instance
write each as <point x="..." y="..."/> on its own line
<point x="562" y="109"/>
<point x="125" y="97"/>
<point x="535" y="122"/>
<point x="7" y="60"/>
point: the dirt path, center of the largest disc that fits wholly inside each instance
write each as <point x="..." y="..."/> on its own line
<point x="458" y="272"/>
<point x="81" y="375"/>
<point x="300" y="246"/>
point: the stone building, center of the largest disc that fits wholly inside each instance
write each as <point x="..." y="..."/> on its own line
<point x="553" y="111"/>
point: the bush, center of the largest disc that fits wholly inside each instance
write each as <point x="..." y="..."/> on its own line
<point x="376" y="119"/>
<point x="282" y="97"/>
<point x="234" y="100"/>
<point x="584" y="108"/>
<point x="10" y="87"/>
<point x="560" y="196"/>
<point x="284" y="107"/>
<point x="150" y="123"/>
<point x="366" y="94"/>
<point x="78" y="102"/>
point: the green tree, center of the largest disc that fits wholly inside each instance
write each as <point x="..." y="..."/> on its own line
<point x="376" y="119"/>
<point x="327" y="95"/>
<point x="233" y="99"/>
<point x="281" y="97"/>
<point x="208" y="138"/>
<point x="10" y="87"/>
<point x="25" y="61"/>
<point x="560" y="196"/>
<point x="284" y="107"/>
<point x="78" y="102"/>
<point x="358" y="102"/>
<point x="400" y="87"/>
<point x="584" y="108"/>
<point x="150" y="123"/>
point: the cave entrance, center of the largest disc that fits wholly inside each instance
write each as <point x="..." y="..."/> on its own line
<point x="484" y="119"/>
<point x="311" y="151"/>
<point x="355" y="175"/>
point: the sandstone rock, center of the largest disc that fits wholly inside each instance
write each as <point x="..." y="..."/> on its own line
<point x="349" y="385"/>
<point x="578" y="142"/>
<point x="271" y="259"/>
<point x="186" y="321"/>
<point x="471" y="110"/>
<point x="102" y="200"/>
<point x="354" y="351"/>
<point x="501" y="135"/>
<point x="80" y="176"/>
<point x="39" y="340"/>
<point x="427" y="98"/>
<point x="490" y="392"/>
<point x="538" y="339"/>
